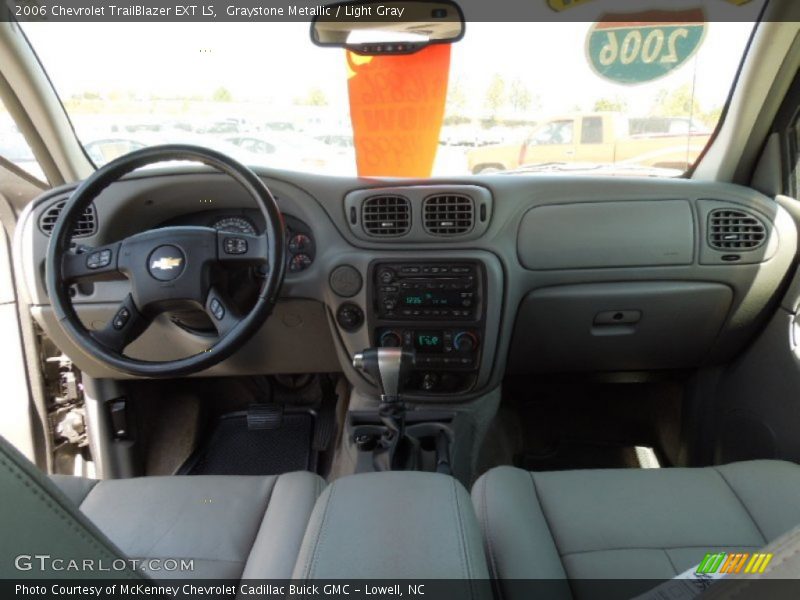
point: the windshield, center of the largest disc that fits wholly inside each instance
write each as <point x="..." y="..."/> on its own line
<point x="520" y="97"/>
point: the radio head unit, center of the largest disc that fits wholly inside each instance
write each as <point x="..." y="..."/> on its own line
<point x="412" y="291"/>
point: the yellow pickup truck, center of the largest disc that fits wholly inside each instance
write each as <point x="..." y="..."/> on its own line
<point x="598" y="138"/>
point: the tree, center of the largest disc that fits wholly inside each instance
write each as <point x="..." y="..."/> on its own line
<point x="222" y="94"/>
<point x="456" y="97"/>
<point x="679" y="102"/>
<point x="519" y="96"/>
<point x="711" y="117"/>
<point x="316" y="97"/>
<point x="496" y="94"/>
<point x="615" y="104"/>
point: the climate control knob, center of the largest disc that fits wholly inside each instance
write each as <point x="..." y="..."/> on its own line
<point x="465" y="341"/>
<point x="390" y="339"/>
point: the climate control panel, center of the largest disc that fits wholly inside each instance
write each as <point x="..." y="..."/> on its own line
<point x="450" y="349"/>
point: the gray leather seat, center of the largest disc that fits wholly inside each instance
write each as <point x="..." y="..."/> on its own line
<point x="229" y="527"/>
<point x="232" y="527"/>
<point x="630" y="523"/>
<point x="395" y="525"/>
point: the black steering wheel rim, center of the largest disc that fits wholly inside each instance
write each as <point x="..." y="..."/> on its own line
<point x="227" y="343"/>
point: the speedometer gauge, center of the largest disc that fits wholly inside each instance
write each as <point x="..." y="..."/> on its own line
<point x="235" y="225"/>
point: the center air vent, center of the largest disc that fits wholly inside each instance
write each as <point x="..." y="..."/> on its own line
<point x="86" y="225"/>
<point x="735" y="230"/>
<point x="386" y="216"/>
<point x="448" y="214"/>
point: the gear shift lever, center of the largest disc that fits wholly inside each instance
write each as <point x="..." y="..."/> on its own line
<point x="388" y="367"/>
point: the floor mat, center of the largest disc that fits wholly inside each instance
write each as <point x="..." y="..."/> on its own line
<point x="233" y="449"/>
<point x="577" y="455"/>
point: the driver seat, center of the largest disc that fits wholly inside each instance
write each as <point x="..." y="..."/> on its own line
<point x="229" y="527"/>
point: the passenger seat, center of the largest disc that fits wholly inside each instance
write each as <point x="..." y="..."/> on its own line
<point x="630" y="523"/>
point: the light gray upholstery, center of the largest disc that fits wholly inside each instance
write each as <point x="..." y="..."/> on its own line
<point x="230" y="526"/>
<point x="395" y="525"/>
<point x="630" y="523"/>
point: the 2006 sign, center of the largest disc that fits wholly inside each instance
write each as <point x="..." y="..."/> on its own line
<point x="637" y="50"/>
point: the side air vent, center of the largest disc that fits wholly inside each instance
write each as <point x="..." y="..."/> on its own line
<point x="735" y="230"/>
<point x="86" y="225"/>
<point x="386" y="216"/>
<point x="448" y="214"/>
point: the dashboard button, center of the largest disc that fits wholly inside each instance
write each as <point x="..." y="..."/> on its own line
<point x="386" y="276"/>
<point x="99" y="259"/>
<point x="217" y="309"/>
<point x="349" y="316"/>
<point x="345" y="281"/>
<point x="121" y="318"/>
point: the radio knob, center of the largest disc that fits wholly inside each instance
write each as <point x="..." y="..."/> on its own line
<point x="465" y="341"/>
<point x="386" y="276"/>
<point x="391" y="339"/>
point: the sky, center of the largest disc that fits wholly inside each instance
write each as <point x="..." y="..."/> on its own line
<point x="273" y="63"/>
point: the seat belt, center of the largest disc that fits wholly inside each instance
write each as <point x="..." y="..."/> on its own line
<point x="778" y="562"/>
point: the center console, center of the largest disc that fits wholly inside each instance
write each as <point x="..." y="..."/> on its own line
<point x="360" y="521"/>
<point x="436" y="309"/>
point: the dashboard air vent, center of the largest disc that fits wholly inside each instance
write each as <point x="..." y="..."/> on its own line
<point x="86" y="225"/>
<point x="386" y="216"/>
<point x="735" y="230"/>
<point x="448" y="214"/>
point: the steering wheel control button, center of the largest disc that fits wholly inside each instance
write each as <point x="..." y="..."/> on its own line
<point x="346" y="281"/>
<point x="349" y="316"/>
<point x="121" y="318"/>
<point x="235" y="245"/>
<point x="166" y="263"/>
<point x="99" y="259"/>
<point x="217" y="309"/>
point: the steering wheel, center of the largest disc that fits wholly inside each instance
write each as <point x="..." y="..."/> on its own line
<point x="167" y="268"/>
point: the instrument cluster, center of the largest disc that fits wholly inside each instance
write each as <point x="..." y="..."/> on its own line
<point x="301" y="248"/>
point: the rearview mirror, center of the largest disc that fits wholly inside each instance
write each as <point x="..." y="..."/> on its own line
<point x="399" y="27"/>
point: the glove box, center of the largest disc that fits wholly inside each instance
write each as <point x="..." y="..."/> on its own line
<point x="624" y="326"/>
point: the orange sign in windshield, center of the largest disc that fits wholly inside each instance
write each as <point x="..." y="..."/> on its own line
<point x="396" y="107"/>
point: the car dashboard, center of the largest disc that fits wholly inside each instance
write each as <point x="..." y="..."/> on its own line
<point x="481" y="276"/>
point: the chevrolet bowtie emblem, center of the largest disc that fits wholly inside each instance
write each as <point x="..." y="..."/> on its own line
<point x="166" y="263"/>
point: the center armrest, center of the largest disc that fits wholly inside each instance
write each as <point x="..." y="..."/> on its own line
<point x="393" y="525"/>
